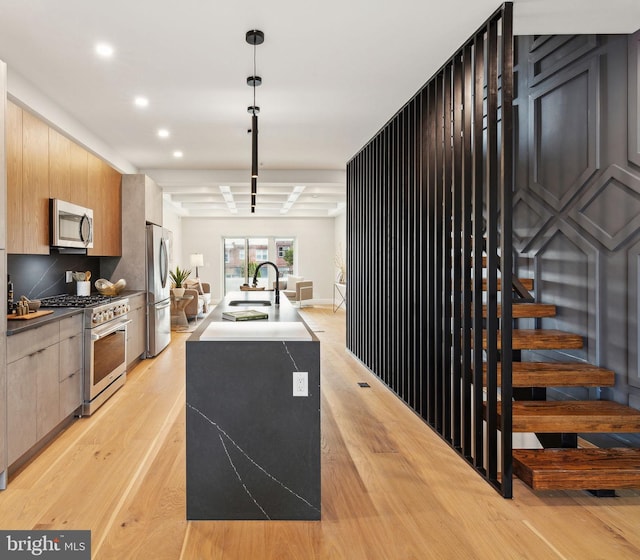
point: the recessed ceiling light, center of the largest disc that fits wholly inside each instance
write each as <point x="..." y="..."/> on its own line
<point x="163" y="133"/>
<point x="141" y="101"/>
<point x="104" y="50"/>
<point x="177" y="154"/>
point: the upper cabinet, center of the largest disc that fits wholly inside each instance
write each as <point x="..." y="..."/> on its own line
<point x="79" y="176"/>
<point x="27" y="182"/>
<point x="15" y="237"/>
<point x="59" y="166"/>
<point x="152" y="201"/>
<point x="105" y="198"/>
<point x="43" y="164"/>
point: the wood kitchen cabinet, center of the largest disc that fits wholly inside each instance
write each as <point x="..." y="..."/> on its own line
<point x="43" y="163"/>
<point x="15" y="235"/>
<point x="105" y="198"/>
<point x="21" y="407"/>
<point x="59" y="166"/>
<point x="31" y="356"/>
<point x="47" y="390"/>
<point x="35" y="185"/>
<point x="32" y="403"/>
<point x="79" y="176"/>
<point x="137" y="329"/>
<point x="44" y="381"/>
<point x="71" y="365"/>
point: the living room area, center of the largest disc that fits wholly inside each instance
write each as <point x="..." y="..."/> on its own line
<point x="309" y="254"/>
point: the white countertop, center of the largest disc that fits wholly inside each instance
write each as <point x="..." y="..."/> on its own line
<point x="256" y="330"/>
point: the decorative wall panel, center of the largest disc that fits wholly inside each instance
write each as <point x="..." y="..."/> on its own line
<point x="553" y="54"/>
<point x="566" y="276"/>
<point x="615" y="189"/>
<point x="633" y="343"/>
<point x="529" y="218"/>
<point x="634" y="98"/>
<point x="578" y="213"/>
<point x="563" y="131"/>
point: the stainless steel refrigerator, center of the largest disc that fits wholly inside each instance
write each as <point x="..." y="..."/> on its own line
<point x="158" y="290"/>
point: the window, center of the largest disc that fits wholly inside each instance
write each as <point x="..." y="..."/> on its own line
<point x="242" y="255"/>
<point x="262" y="255"/>
<point x="284" y="250"/>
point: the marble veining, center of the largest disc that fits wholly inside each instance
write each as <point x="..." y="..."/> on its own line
<point x="290" y="356"/>
<point x="44" y="275"/>
<point x="239" y="477"/>
<point x="222" y="433"/>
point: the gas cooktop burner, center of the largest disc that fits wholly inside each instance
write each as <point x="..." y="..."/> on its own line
<point x="67" y="300"/>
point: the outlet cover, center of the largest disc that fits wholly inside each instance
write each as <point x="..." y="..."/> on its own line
<point x="300" y="384"/>
<point x="68" y="277"/>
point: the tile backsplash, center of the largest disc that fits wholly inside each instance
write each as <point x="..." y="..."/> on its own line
<point x="38" y="276"/>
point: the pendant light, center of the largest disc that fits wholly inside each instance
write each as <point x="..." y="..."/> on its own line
<point x="255" y="38"/>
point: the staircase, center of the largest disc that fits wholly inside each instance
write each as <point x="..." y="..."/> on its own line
<point x="562" y="465"/>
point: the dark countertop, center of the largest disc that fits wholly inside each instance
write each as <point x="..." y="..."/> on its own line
<point x="16" y="326"/>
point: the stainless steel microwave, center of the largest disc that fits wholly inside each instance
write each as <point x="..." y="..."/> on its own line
<point x="71" y="225"/>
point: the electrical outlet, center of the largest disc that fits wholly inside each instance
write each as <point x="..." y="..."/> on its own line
<point x="68" y="277"/>
<point x="300" y="384"/>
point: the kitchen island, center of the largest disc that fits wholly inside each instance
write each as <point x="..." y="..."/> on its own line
<point x="253" y="448"/>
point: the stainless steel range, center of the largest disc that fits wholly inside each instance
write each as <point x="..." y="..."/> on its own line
<point x="105" y="344"/>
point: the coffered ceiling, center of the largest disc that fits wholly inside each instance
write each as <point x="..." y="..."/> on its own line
<point x="333" y="73"/>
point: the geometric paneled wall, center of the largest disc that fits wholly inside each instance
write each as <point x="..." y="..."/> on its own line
<point x="576" y="216"/>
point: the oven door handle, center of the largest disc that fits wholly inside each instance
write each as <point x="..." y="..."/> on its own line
<point x="107" y="332"/>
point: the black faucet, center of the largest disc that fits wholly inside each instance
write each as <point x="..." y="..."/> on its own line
<point x="255" y="278"/>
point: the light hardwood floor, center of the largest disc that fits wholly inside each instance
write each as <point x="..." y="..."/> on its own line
<point x="391" y="488"/>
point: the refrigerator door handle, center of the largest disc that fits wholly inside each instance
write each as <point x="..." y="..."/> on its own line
<point x="164" y="262"/>
<point x="163" y="305"/>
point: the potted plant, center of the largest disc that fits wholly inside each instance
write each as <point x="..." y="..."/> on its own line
<point x="178" y="276"/>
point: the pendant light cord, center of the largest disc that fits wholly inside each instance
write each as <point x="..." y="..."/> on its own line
<point x="254" y="78"/>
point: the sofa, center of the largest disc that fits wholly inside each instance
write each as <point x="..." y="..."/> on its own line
<point x="201" y="302"/>
<point x="296" y="288"/>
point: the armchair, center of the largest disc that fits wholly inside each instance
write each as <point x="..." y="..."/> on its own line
<point x="201" y="300"/>
<point x="297" y="289"/>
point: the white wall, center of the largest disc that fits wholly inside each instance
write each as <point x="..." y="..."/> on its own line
<point x="315" y="247"/>
<point x="340" y="236"/>
<point x="172" y="221"/>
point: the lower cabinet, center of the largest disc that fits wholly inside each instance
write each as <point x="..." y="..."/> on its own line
<point x="47" y="391"/>
<point x="70" y="394"/>
<point x="44" y="381"/>
<point x="21" y="405"/>
<point x="71" y="360"/>
<point x="137" y="329"/>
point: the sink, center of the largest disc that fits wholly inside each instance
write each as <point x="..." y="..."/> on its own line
<point x="250" y="302"/>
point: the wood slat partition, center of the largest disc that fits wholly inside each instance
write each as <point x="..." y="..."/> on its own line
<point x="427" y="198"/>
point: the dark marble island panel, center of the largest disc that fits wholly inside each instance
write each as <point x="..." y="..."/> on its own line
<point x="253" y="449"/>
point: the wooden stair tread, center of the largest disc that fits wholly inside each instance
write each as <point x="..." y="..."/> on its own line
<point x="578" y="469"/>
<point x="527" y="310"/>
<point x="573" y="417"/>
<point x="526" y="282"/>
<point x="558" y="374"/>
<point x="539" y="339"/>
